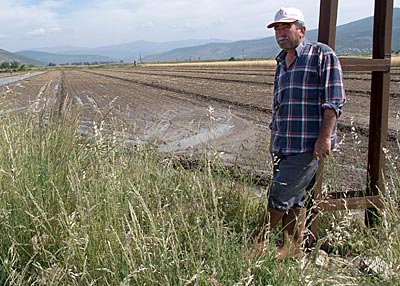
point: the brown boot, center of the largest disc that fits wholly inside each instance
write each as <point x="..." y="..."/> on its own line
<point x="293" y="223"/>
<point x="269" y="221"/>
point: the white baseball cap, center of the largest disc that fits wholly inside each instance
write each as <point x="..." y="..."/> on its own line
<point x="287" y="15"/>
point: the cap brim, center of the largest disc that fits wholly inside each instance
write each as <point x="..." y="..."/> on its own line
<point x="273" y="24"/>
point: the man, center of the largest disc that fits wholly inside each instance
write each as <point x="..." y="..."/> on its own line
<point x="308" y="97"/>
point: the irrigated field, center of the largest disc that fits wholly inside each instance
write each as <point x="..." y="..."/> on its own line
<point x="182" y="108"/>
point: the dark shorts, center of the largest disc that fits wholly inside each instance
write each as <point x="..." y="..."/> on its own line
<point x="293" y="176"/>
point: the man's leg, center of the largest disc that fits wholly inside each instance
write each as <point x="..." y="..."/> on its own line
<point x="268" y="222"/>
<point x="293" y="223"/>
<point x="292" y="174"/>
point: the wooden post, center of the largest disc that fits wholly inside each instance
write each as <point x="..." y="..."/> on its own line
<point x="327" y="22"/>
<point x="326" y="35"/>
<point x="379" y="109"/>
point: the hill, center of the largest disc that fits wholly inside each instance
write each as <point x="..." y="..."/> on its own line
<point x="354" y="38"/>
<point x="63" y="59"/>
<point x="127" y="52"/>
<point x="260" y="48"/>
<point x="10" y="57"/>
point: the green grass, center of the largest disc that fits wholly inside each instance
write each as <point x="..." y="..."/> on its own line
<point x="89" y="211"/>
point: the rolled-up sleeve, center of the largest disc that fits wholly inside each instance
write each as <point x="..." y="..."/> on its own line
<point x="331" y="87"/>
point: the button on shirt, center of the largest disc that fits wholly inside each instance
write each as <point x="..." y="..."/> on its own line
<point x="313" y="82"/>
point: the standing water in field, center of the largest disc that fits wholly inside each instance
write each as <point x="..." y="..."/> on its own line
<point x="11" y="79"/>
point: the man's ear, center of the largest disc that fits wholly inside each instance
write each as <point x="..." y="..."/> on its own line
<point x="303" y="30"/>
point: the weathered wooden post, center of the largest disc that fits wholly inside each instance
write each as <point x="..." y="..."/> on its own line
<point x="380" y="83"/>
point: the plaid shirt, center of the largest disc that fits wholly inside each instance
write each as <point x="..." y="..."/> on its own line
<point x="313" y="82"/>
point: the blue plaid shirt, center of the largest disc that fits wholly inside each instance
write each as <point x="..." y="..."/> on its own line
<point x="313" y="82"/>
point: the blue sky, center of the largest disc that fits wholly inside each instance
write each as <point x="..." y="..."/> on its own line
<point x="26" y="24"/>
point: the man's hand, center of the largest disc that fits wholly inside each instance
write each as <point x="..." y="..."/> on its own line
<point x="322" y="148"/>
<point x="323" y="145"/>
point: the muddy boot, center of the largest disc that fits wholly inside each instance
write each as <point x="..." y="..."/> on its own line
<point x="269" y="221"/>
<point x="293" y="223"/>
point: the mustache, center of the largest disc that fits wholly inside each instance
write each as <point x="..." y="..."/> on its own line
<point x="282" y="38"/>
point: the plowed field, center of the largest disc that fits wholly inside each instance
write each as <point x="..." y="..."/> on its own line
<point x="183" y="109"/>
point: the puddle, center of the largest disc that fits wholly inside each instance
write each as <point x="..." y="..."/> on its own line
<point x="79" y="100"/>
<point x="92" y="102"/>
<point x="11" y="79"/>
<point x="203" y="136"/>
<point x="57" y="86"/>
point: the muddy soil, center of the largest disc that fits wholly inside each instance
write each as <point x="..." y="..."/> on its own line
<point x="224" y="111"/>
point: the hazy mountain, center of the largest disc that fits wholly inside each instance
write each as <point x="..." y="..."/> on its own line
<point x="57" y="49"/>
<point x="10" y="57"/>
<point x="63" y="59"/>
<point x="129" y="52"/>
<point x="354" y="38"/>
<point x="216" y="51"/>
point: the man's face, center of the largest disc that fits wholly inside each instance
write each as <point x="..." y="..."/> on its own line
<point x="288" y="36"/>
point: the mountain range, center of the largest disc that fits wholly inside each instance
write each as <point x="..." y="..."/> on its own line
<point x="6" y="56"/>
<point x="127" y="52"/>
<point x="354" y="38"/>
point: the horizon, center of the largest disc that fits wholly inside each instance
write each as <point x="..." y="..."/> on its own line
<point x="37" y="24"/>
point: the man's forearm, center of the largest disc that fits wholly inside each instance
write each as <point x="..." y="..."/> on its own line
<point x="323" y="144"/>
<point x="328" y="124"/>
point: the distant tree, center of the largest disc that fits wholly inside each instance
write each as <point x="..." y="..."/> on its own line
<point x="14" y="65"/>
<point x="232" y="59"/>
<point x="5" y="65"/>
<point x="52" y="64"/>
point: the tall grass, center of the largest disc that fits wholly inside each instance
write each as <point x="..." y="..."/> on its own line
<point x="89" y="211"/>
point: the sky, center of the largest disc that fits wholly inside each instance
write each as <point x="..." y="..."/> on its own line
<point x="28" y="24"/>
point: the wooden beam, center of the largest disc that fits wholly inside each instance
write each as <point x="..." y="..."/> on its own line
<point x="356" y="64"/>
<point x="349" y="203"/>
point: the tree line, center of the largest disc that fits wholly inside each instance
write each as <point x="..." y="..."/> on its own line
<point x="13" y="66"/>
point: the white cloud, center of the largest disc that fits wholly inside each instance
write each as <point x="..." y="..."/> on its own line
<point x="43" y="31"/>
<point x="37" y="32"/>
<point x="148" y="25"/>
<point x="102" y="22"/>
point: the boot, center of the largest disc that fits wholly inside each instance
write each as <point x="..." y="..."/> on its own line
<point x="269" y="221"/>
<point x="293" y="223"/>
